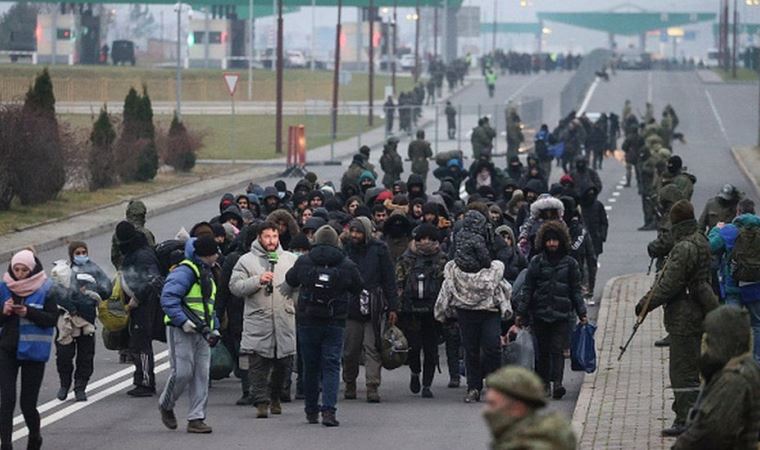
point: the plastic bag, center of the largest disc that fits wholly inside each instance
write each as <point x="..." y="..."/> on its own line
<point x="519" y="352"/>
<point x="221" y="362"/>
<point x="113" y="312"/>
<point x="582" y="348"/>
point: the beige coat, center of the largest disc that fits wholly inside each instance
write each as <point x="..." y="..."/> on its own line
<point x="269" y="321"/>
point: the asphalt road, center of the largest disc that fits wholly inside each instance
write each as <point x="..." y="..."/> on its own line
<point x="112" y="420"/>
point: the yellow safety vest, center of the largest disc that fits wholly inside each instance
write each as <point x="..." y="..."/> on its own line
<point x="194" y="297"/>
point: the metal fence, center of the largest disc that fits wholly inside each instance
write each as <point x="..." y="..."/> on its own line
<point x="572" y="94"/>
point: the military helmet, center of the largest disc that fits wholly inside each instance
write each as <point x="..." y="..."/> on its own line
<point x="520" y="383"/>
<point x="395" y="348"/>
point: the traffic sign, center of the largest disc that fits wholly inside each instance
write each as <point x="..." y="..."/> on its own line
<point x="231" y="80"/>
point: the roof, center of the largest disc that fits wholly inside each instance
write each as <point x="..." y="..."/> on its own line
<point x="626" y="23"/>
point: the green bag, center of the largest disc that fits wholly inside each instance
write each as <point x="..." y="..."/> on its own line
<point x="113" y="311"/>
<point x="221" y="362"/>
<point x="745" y="257"/>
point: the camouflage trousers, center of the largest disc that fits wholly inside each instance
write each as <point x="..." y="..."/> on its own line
<point x="684" y="373"/>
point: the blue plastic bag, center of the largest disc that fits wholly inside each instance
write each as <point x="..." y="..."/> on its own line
<point x="557" y="150"/>
<point x="582" y="349"/>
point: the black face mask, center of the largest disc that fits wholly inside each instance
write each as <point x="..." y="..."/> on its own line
<point x="709" y="366"/>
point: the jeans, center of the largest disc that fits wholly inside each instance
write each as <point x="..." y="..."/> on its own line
<point x="320" y="347"/>
<point x="267" y="376"/>
<point x="481" y="340"/>
<point x="190" y="362"/>
<point x="31" y="380"/>
<point x="552" y="339"/>
<point x="83" y="349"/>
<point x="361" y="336"/>
<point x="421" y="332"/>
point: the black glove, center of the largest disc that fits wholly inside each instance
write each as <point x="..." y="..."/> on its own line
<point x="639" y="308"/>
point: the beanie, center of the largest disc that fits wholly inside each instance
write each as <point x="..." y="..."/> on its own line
<point x="364" y="150"/>
<point x="681" y="211"/>
<point x="430" y="208"/>
<point x="280" y="186"/>
<point x="205" y="246"/>
<point x="426" y="230"/>
<point x="125" y="232"/>
<point x="25" y="258"/>
<point x="311" y="177"/>
<point x="299" y="242"/>
<point x="674" y="164"/>
<point x="218" y="231"/>
<point x="326" y="235"/>
<point x="201" y="228"/>
<point x="73" y="245"/>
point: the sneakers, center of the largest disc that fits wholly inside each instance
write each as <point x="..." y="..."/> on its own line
<point x="350" y="393"/>
<point x="372" y="395"/>
<point x="454" y="382"/>
<point x="63" y="392"/>
<point x="414" y="384"/>
<point x="80" y="395"/>
<point x="262" y="411"/>
<point x="275" y="408"/>
<point x="664" y="342"/>
<point x="558" y="392"/>
<point x="245" y="400"/>
<point x="426" y="392"/>
<point x="198" y="426"/>
<point x="312" y="418"/>
<point x="169" y="419"/>
<point x="329" y="420"/>
<point x="473" y="395"/>
<point x="142" y="391"/>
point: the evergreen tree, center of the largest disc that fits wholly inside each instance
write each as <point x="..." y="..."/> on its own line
<point x="102" y="157"/>
<point x="40" y="98"/>
<point x="180" y="152"/>
<point x="147" y="160"/>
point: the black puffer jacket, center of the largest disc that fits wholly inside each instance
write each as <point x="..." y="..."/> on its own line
<point x="140" y="269"/>
<point x="349" y="282"/>
<point x="553" y="283"/>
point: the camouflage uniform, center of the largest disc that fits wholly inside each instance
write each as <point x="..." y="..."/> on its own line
<point x="514" y="132"/>
<point x="660" y="247"/>
<point x="683" y="289"/>
<point x="136" y="212"/>
<point x="717" y="210"/>
<point x="419" y="152"/>
<point x="727" y="415"/>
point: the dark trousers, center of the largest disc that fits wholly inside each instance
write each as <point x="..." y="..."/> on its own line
<point x="453" y="341"/>
<point x="321" y="347"/>
<point x="421" y="332"/>
<point x="684" y="373"/>
<point x="232" y="342"/>
<point x="83" y="349"/>
<point x="480" y="338"/>
<point x="552" y="339"/>
<point x="31" y="380"/>
<point x="267" y="376"/>
<point x="141" y="346"/>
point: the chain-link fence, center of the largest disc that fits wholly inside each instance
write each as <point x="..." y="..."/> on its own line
<point x="575" y="89"/>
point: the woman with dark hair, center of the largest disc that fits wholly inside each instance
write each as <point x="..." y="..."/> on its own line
<point x="27" y="329"/>
<point x="352" y="204"/>
<point x="305" y="215"/>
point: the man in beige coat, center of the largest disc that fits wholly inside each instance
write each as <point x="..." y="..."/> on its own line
<point x="269" y="324"/>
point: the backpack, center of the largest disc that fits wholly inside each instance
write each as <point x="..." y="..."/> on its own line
<point x="319" y="299"/>
<point x="113" y="311"/>
<point x="169" y="253"/>
<point x="744" y="261"/>
<point x="422" y="285"/>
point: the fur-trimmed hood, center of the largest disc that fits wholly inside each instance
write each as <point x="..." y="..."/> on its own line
<point x="283" y="215"/>
<point x="546" y="202"/>
<point x="558" y="227"/>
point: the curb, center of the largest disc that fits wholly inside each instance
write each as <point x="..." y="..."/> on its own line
<point x="745" y="170"/>
<point x="583" y="404"/>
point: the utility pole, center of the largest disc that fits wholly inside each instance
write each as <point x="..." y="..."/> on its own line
<point x="278" y="107"/>
<point x="336" y="73"/>
<point x="178" y="83"/>
<point x="435" y="32"/>
<point x="313" y="34"/>
<point x="493" y="38"/>
<point x="393" y="58"/>
<point x="724" y="61"/>
<point x="733" y="49"/>
<point x="417" y="42"/>
<point x="250" y="49"/>
<point x="371" y="59"/>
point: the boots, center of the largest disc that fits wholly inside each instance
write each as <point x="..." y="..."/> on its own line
<point x="454" y="382"/>
<point x="168" y="418"/>
<point x="262" y="410"/>
<point x="372" y="395"/>
<point x="329" y="420"/>
<point x="414" y="384"/>
<point x="664" y="342"/>
<point x="312" y="418"/>
<point x="198" y="426"/>
<point x="63" y="392"/>
<point x="350" y="393"/>
<point x="276" y="407"/>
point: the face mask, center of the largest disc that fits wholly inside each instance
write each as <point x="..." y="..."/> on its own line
<point x="81" y="260"/>
<point x="498" y="422"/>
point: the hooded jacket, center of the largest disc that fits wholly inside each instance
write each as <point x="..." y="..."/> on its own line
<point x="136" y="213"/>
<point x="595" y="219"/>
<point x="282" y="215"/>
<point x="514" y="261"/>
<point x="178" y="284"/>
<point x="722" y="242"/>
<point x="471" y="253"/>
<point x="269" y="321"/>
<point x="486" y="290"/>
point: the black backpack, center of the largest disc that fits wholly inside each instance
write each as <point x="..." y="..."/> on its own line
<point x="169" y="253"/>
<point x="319" y="299"/>
<point x="422" y="285"/>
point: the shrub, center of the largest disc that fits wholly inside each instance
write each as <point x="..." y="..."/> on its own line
<point x="101" y="159"/>
<point x="136" y="149"/>
<point x="181" y="147"/>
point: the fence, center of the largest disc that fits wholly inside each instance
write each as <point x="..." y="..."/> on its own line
<point x="575" y="89"/>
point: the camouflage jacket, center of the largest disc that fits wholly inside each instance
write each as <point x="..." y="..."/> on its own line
<point x="728" y="414"/>
<point x="535" y="432"/>
<point x="716" y="211"/>
<point x="683" y="287"/>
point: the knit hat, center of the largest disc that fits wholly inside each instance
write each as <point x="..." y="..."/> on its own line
<point x="299" y="242"/>
<point x="681" y="211"/>
<point x="205" y="246"/>
<point x="280" y="186"/>
<point x="426" y="230"/>
<point x="125" y="232"/>
<point x="674" y="164"/>
<point x="326" y="235"/>
<point x="366" y="175"/>
<point x="217" y="230"/>
<point x="430" y="208"/>
<point x="270" y="191"/>
<point x="383" y="196"/>
<point x="364" y="150"/>
<point x="73" y="245"/>
<point x="566" y="179"/>
<point x="201" y="228"/>
<point x="314" y="223"/>
<point x="25" y="258"/>
<point x="311" y="177"/>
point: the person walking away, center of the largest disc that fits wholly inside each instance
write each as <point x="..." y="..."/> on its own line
<point x="419" y="275"/>
<point x="269" y="325"/>
<point x="451" y="120"/>
<point x="188" y="300"/>
<point x="362" y="327"/>
<point x="326" y="278"/>
<point x="389" y="108"/>
<point x="552" y="296"/>
<point x="430" y="85"/>
<point x="27" y="327"/>
<point x="391" y="163"/>
<point x="490" y="76"/>
<point x="514" y="132"/>
<point x="684" y="286"/>
<point x="419" y="153"/>
<point x="541" y="143"/>
<point x="513" y="400"/>
<point x="140" y="274"/>
<point x="727" y="414"/>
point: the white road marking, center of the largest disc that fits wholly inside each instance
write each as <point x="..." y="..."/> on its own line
<point x="717" y="116"/>
<point x="649" y="87"/>
<point x="90" y="387"/>
<point x="619" y="187"/>
<point x="588" y="96"/>
<point x="615" y="194"/>
<point x="608" y="208"/>
<point x="523" y="87"/>
<point x="69" y="410"/>
<point x="612" y="200"/>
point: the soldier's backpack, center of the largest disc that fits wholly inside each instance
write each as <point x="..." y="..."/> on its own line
<point x="422" y="285"/>
<point x="744" y="261"/>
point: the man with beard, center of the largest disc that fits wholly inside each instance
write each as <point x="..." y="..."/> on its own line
<point x="684" y="287"/>
<point x="727" y="414"/>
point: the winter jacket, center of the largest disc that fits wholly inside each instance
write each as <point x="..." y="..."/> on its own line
<point x="269" y="320"/>
<point x="139" y="271"/>
<point x="102" y="282"/>
<point x="392" y="167"/>
<point x="433" y="264"/>
<point x="514" y="261"/>
<point x="595" y="218"/>
<point x="136" y="212"/>
<point x="722" y="242"/>
<point x="419" y="152"/>
<point x="349" y="282"/>
<point x="374" y="262"/>
<point x="716" y="210"/>
<point x="470" y="250"/>
<point x="178" y="284"/>
<point x="552" y="283"/>
<point x="486" y="290"/>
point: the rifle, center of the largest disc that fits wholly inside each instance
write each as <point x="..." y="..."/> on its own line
<point x="640" y="318"/>
<point x="649" y="269"/>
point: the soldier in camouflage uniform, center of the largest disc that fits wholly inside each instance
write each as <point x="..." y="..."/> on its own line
<point x="659" y="248"/>
<point x="514" y="132"/>
<point x="727" y="414"/>
<point x="721" y="208"/>
<point x="683" y="289"/>
<point x="676" y="175"/>
<point x="513" y="399"/>
<point x="419" y="152"/>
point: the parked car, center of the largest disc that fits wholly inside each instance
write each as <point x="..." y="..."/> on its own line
<point x="123" y="52"/>
<point x="407" y="62"/>
<point x="295" y="59"/>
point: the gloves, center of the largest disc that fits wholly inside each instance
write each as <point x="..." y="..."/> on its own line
<point x="639" y="308"/>
<point x="188" y="327"/>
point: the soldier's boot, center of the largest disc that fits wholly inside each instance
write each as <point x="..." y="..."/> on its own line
<point x="373" y="396"/>
<point x="350" y="392"/>
<point x="558" y="392"/>
<point x="675" y="430"/>
<point x="664" y="342"/>
<point x="276" y="407"/>
<point x="262" y="410"/>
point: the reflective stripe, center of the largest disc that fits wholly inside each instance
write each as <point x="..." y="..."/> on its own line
<point x="194" y="297"/>
<point x="35" y="338"/>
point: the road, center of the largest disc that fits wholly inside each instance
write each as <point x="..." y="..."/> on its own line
<point x="111" y="419"/>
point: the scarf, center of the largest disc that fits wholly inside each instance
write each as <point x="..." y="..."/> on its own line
<point x="426" y="248"/>
<point x="26" y="287"/>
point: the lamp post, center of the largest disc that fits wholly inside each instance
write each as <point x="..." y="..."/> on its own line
<point x="417" y="42"/>
<point x="371" y="60"/>
<point x="278" y="107"/>
<point x="336" y="73"/>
